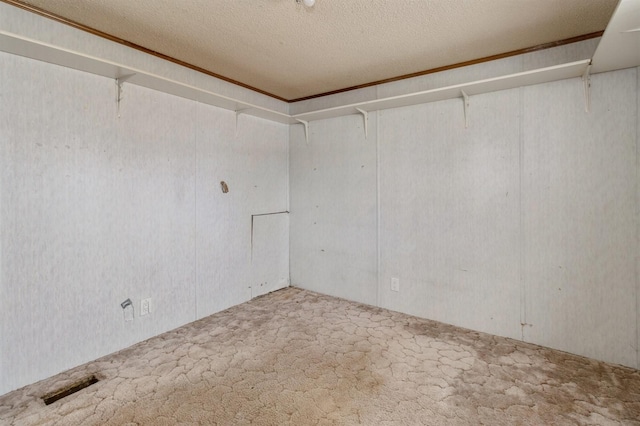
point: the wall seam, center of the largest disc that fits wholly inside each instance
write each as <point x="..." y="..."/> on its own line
<point x="521" y="239"/>
<point x="637" y="219"/>
<point x="289" y="202"/>
<point x="379" y="283"/>
<point x="195" y="213"/>
<point x="3" y="297"/>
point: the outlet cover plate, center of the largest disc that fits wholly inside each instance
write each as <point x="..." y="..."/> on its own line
<point x="395" y="284"/>
<point x="145" y="306"/>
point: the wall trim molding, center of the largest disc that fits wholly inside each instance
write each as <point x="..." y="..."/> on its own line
<point x="22" y="5"/>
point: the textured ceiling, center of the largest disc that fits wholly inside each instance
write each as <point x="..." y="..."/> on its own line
<point x="290" y="51"/>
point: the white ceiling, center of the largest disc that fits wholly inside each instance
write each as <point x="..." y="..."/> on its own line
<point x="290" y="51"/>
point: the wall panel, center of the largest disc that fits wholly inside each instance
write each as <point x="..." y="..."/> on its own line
<point x="448" y="206"/>
<point x="98" y="205"/>
<point x="579" y="216"/>
<point x="253" y="163"/>
<point x="333" y="208"/>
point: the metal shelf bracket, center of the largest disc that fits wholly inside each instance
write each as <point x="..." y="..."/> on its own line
<point x="586" y="81"/>
<point x="465" y="99"/>
<point x="365" y="117"/>
<point x="119" y="82"/>
<point x="306" y="128"/>
<point x="238" y="113"/>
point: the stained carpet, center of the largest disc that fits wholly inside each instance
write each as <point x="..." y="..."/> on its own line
<point x="297" y="357"/>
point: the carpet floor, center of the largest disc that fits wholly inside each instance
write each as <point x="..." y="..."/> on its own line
<point x="297" y="357"/>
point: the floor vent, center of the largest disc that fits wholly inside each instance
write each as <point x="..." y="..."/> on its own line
<point x="72" y="388"/>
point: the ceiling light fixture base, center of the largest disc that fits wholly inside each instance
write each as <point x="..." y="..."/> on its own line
<point x="307" y="3"/>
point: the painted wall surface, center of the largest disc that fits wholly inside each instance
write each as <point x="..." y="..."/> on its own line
<point x="579" y="204"/>
<point x="333" y="208"/>
<point x="270" y="265"/>
<point x="97" y="207"/>
<point x="524" y="224"/>
<point x="254" y="166"/>
<point x="449" y="212"/>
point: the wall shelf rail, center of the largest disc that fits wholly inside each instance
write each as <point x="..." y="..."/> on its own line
<point x="34" y="49"/>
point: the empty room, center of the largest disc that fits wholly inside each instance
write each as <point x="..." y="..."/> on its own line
<point x="376" y="212"/>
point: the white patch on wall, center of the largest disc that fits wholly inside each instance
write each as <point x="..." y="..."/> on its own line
<point x="269" y="253"/>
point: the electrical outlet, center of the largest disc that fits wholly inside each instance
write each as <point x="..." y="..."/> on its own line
<point x="395" y="284"/>
<point x="145" y="306"/>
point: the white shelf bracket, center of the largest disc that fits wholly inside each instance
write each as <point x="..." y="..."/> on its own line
<point x="238" y="113"/>
<point x="119" y="82"/>
<point x="365" y="117"/>
<point x="306" y="128"/>
<point x="465" y="99"/>
<point x="586" y="81"/>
